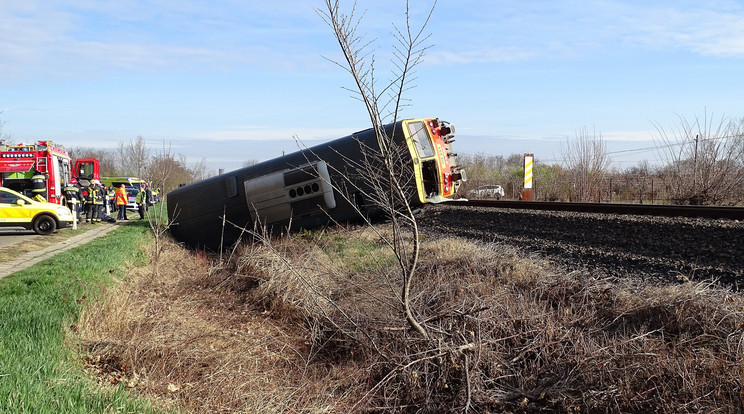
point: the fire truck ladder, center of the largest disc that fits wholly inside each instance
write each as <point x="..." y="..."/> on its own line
<point x="41" y="164"/>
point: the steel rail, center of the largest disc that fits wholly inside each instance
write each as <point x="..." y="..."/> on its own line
<point x="710" y="212"/>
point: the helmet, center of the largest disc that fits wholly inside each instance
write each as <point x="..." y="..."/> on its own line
<point x="96" y="182"/>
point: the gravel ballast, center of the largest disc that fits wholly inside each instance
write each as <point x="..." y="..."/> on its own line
<point x="654" y="249"/>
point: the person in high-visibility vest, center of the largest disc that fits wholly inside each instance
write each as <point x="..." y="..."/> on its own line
<point x="141" y="200"/>
<point x="99" y="201"/>
<point x="72" y="195"/>
<point x="121" y="202"/>
<point x="86" y="201"/>
<point x="93" y="201"/>
<point x="38" y="184"/>
<point x="110" y="199"/>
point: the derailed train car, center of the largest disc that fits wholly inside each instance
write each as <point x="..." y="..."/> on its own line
<point x="313" y="187"/>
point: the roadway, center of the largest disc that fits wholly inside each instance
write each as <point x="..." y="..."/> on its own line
<point x="10" y="237"/>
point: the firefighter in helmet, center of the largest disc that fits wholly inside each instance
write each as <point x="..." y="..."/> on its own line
<point x="99" y="201"/>
<point x="92" y="201"/>
<point x="72" y="195"/>
<point x="38" y="184"/>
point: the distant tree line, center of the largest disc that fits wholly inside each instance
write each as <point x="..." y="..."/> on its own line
<point x="701" y="163"/>
<point x="165" y="169"/>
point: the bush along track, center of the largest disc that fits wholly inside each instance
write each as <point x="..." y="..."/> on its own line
<point x="39" y="371"/>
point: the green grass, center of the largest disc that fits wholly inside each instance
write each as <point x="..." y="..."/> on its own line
<point x="39" y="372"/>
<point x="358" y="255"/>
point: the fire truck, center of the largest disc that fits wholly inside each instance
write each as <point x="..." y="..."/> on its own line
<point x="20" y="163"/>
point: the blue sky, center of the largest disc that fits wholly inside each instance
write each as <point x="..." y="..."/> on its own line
<point x="232" y="80"/>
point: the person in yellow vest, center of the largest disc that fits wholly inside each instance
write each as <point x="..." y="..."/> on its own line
<point x="141" y="200"/>
<point x="93" y="201"/>
<point x="38" y="184"/>
<point x="72" y="195"/>
<point x="110" y="199"/>
<point x="121" y="202"/>
<point x="100" y="202"/>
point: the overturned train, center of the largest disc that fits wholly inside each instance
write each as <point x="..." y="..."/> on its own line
<point x="327" y="183"/>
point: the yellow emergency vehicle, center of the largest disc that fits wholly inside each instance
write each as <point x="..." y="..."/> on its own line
<point x="17" y="210"/>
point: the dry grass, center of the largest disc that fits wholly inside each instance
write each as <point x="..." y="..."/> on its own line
<point x="196" y="337"/>
<point x="300" y="327"/>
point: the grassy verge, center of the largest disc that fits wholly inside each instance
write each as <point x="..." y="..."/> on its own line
<point x="39" y="372"/>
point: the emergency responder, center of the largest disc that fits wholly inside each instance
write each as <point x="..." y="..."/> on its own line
<point x="141" y="200"/>
<point x="85" y="198"/>
<point x="92" y="201"/>
<point x="110" y="195"/>
<point x="121" y="202"/>
<point x="100" y="202"/>
<point x="38" y="184"/>
<point x="72" y="192"/>
<point x="112" y="199"/>
<point x="147" y="200"/>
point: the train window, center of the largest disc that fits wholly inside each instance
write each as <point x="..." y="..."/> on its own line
<point x="421" y="139"/>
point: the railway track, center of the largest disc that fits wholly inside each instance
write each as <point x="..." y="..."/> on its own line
<point x="648" y="243"/>
<point x="712" y="212"/>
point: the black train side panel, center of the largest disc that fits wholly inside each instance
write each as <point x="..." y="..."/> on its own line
<point x="297" y="189"/>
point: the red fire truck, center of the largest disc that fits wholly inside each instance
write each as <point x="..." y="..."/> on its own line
<point x="19" y="163"/>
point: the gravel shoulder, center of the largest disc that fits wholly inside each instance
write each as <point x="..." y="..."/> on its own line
<point x="659" y="249"/>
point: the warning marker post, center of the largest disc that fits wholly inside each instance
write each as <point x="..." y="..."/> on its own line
<point x="527" y="194"/>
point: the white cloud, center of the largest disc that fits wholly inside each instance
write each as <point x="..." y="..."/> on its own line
<point x="61" y="39"/>
<point x="524" y="31"/>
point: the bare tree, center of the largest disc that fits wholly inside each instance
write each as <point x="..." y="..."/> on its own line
<point x="384" y="163"/>
<point x="249" y="162"/>
<point x="704" y="160"/>
<point x="587" y="160"/>
<point x="482" y="170"/>
<point x="133" y="157"/>
<point x="168" y="170"/>
<point x="550" y="182"/>
<point x="5" y="138"/>
<point x="106" y="158"/>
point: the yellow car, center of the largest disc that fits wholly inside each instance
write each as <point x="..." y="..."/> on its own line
<point x="17" y="210"/>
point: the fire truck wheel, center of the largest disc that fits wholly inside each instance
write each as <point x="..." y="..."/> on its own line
<point x="45" y="225"/>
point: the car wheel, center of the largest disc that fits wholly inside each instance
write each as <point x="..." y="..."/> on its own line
<point x="45" y="225"/>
